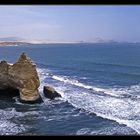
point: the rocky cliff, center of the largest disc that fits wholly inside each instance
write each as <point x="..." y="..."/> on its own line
<point x="23" y="76"/>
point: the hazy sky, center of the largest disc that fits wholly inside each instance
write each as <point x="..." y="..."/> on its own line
<point x="71" y="23"/>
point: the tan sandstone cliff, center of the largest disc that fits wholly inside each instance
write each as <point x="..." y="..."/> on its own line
<point x="23" y="76"/>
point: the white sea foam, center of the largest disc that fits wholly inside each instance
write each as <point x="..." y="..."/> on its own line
<point x="116" y="92"/>
<point x="124" y="111"/>
<point x="118" y="106"/>
<point x="83" y="131"/>
<point x="71" y="81"/>
<point x="79" y="84"/>
<point x="106" y="131"/>
<point x="10" y="120"/>
<point x="43" y="74"/>
<point x="7" y="127"/>
<point x="115" y="130"/>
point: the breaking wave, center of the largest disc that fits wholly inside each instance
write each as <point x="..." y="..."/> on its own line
<point x="7" y="127"/>
<point x="121" y="104"/>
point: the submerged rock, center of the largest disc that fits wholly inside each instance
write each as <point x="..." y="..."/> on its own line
<point x="50" y="92"/>
<point x="22" y="76"/>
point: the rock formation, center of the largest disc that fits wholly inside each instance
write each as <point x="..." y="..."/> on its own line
<point x="50" y="92"/>
<point x="23" y="76"/>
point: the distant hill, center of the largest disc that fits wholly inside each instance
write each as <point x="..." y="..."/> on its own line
<point x="14" y="43"/>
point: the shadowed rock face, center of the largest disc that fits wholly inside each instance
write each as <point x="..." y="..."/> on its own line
<point x="50" y="92"/>
<point x="23" y="76"/>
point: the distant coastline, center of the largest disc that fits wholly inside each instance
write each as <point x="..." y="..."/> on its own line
<point x="20" y="43"/>
<point x="7" y="43"/>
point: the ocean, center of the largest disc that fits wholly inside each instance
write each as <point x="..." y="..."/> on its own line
<point x="99" y="84"/>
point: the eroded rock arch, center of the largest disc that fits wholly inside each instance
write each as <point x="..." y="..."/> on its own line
<point x="23" y="76"/>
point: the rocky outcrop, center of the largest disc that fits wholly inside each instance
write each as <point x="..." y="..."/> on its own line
<point x="23" y="76"/>
<point x="50" y="92"/>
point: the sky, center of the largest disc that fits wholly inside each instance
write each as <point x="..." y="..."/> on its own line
<point x="88" y="23"/>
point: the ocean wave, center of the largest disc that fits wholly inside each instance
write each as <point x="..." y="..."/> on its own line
<point x="116" y="92"/>
<point x="110" y="130"/>
<point x="132" y="74"/>
<point x="121" y="104"/>
<point x="7" y="127"/>
<point x="12" y="121"/>
<point x="43" y="74"/>
<point x="84" y="131"/>
<point x="122" y="111"/>
<point x="126" y="92"/>
<point x="71" y="81"/>
<point x="115" y="65"/>
<point x="79" y="84"/>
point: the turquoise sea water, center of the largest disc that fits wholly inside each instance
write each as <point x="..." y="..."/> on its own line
<point x="99" y="84"/>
